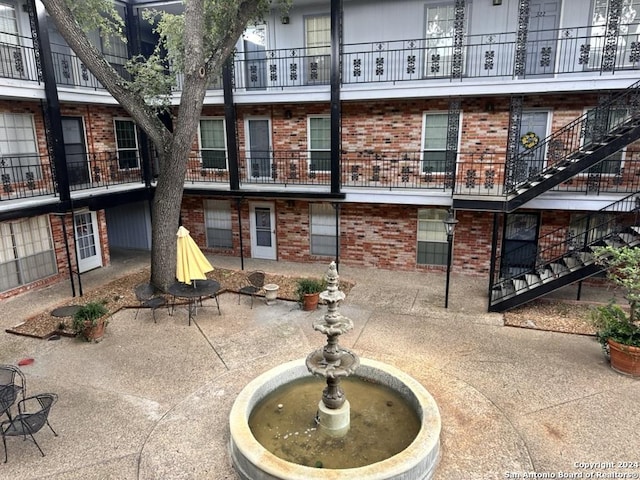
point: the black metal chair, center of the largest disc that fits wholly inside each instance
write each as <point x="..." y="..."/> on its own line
<point x="148" y="297"/>
<point x="33" y="414"/>
<point x="10" y="388"/>
<point x="255" y="282"/>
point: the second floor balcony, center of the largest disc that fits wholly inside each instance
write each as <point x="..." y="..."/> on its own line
<point x="582" y="52"/>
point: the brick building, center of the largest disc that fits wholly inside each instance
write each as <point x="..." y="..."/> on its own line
<point x="520" y="117"/>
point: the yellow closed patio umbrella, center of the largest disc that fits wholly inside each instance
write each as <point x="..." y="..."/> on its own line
<point x="191" y="262"/>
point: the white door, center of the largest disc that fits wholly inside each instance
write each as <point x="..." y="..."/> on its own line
<point x="87" y="241"/>
<point x="263" y="230"/>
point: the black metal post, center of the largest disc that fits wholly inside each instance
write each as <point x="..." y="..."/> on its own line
<point x="449" y="251"/>
<point x="238" y="203"/>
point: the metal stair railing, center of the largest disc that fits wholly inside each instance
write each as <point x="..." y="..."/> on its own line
<point x="574" y="148"/>
<point x="564" y="256"/>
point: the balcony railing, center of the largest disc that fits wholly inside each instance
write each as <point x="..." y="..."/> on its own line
<point x="17" y="60"/>
<point x="484" y="175"/>
<point x="576" y="50"/>
<point x="25" y="176"/>
<point x="103" y="169"/>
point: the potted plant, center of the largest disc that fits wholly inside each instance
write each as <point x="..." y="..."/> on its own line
<point x="90" y="321"/>
<point x="308" y="292"/>
<point x="617" y="330"/>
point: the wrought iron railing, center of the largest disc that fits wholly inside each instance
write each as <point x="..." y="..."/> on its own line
<point x="103" y="169"/>
<point x="483" y="174"/>
<point x="25" y="176"/>
<point x="585" y="50"/>
<point x="575" y="140"/>
<point x="574" y="240"/>
<point x="17" y="59"/>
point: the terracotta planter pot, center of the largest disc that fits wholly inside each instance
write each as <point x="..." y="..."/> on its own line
<point x="310" y="301"/>
<point x="624" y="359"/>
<point x="94" y="333"/>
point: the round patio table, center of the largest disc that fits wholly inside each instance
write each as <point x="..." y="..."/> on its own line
<point x="194" y="293"/>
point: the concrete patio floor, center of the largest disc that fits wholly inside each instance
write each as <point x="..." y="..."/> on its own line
<point x="151" y="401"/>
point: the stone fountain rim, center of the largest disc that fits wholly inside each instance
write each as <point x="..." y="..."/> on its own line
<point x="410" y="459"/>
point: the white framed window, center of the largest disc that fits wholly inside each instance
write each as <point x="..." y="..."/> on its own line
<point x="319" y="135"/>
<point x="628" y="34"/>
<point x="126" y="144"/>
<point x="323" y="229"/>
<point x="318" y="43"/>
<point x="26" y="252"/>
<point x="440" y="22"/>
<point x="217" y="219"/>
<point x="11" y="63"/>
<point x="434" y="142"/>
<point x="213" y="147"/>
<point x="585" y="230"/>
<point x="18" y="148"/>
<point x="432" y="237"/>
<point x="612" y="165"/>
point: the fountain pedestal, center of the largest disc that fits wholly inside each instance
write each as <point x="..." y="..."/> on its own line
<point x="334" y="421"/>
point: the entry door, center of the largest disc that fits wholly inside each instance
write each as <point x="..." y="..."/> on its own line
<point x="255" y="45"/>
<point x="259" y="141"/>
<point x="263" y="230"/>
<point x="75" y="150"/>
<point x="544" y="16"/>
<point x="87" y="241"/>
<point x="533" y="129"/>
<point x="520" y="247"/>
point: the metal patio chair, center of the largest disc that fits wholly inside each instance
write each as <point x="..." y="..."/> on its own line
<point x="255" y="282"/>
<point x="12" y="384"/>
<point x="33" y="414"/>
<point x="148" y="297"/>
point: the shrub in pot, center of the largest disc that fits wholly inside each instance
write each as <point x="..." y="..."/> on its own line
<point x="90" y="321"/>
<point x="308" y="292"/>
<point x="617" y="330"/>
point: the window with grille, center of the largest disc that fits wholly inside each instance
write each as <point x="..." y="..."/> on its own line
<point x="26" y="252"/>
<point x="320" y="143"/>
<point x="126" y="144"/>
<point x="586" y="230"/>
<point x="217" y="218"/>
<point x="434" y="142"/>
<point x="627" y="42"/>
<point x="213" y="143"/>
<point x="432" y="237"/>
<point x="323" y="229"/>
<point x="318" y="54"/>
<point x="19" y="159"/>
<point x="440" y="23"/>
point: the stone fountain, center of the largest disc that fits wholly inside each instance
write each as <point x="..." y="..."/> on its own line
<point x="253" y="461"/>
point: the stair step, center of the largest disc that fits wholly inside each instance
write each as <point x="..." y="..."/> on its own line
<point x="635" y="229"/>
<point x="546" y="275"/>
<point x="558" y="269"/>
<point x="585" y="257"/>
<point x="520" y="285"/>
<point x="572" y="263"/>
<point x="532" y="279"/>
<point x="614" y="242"/>
<point x="629" y="238"/>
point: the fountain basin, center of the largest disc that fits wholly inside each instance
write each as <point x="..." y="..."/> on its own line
<point x="417" y="462"/>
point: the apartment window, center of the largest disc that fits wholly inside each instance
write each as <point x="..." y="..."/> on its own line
<point x="323" y="229"/>
<point x="318" y="43"/>
<point x="320" y="143"/>
<point x="434" y="142"/>
<point x="594" y="126"/>
<point x="627" y="42"/>
<point x="217" y="218"/>
<point x="18" y="149"/>
<point x="212" y="143"/>
<point x="432" y="237"/>
<point x="11" y="65"/>
<point x="440" y="33"/>
<point x="26" y="252"/>
<point x="126" y="144"/>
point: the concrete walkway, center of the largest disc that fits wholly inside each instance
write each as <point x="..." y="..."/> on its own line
<point x="152" y="400"/>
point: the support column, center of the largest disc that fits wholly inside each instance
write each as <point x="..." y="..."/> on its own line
<point x="451" y="154"/>
<point x="521" y="39"/>
<point x="230" y="121"/>
<point x="336" y="111"/>
<point x="51" y="107"/>
<point x="513" y="139"/>
<point x="611" y="36"/>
